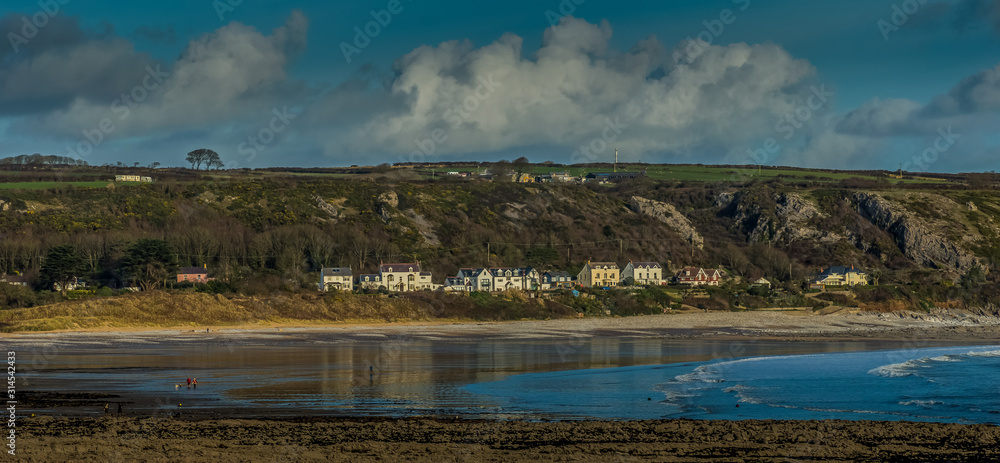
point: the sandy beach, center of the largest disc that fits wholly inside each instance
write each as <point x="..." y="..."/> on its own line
<point x="789" y="325"/>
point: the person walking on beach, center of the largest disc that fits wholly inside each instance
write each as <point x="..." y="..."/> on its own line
<point x="119" y="409"/>
<point x="195" y="383"/>
<point x="189" y="383"/>
<point x="106" y="405"/>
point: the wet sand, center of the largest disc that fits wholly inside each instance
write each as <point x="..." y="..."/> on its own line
<point x="437" y="440"/>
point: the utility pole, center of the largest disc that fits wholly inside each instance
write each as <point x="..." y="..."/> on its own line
<point x="616" y="160"/>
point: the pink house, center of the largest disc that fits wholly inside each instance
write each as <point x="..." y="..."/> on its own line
<point x="193" y="274"/>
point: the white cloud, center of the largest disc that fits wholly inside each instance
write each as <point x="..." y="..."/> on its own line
<point x="564" y="94"/>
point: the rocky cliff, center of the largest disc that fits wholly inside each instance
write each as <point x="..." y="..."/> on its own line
<point x="920" y="242"/>
<point x="669" y="215"/>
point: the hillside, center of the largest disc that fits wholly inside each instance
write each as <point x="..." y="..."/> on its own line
<point x="265" y="232"/>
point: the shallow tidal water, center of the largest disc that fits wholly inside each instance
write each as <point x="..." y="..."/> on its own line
<point x="313" y="373"/>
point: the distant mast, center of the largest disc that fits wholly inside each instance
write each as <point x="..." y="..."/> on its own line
<point x="616" y="160"/>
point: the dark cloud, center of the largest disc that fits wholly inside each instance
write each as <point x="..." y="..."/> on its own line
<point x="61" y="64"/>
<point x="21" y="38"/>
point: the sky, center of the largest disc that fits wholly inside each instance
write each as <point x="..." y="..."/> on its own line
<point x="852" y="84"/>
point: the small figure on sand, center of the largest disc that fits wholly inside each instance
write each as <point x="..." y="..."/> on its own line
<point x="119" y="409"/>
<point x="189" y="383"/>
<point x="195" y="383"/>
<point x="177" y="386"/>
<point x="106" y="405"/>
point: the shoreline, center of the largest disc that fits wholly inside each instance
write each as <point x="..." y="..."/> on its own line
<point x="763" y="325"/>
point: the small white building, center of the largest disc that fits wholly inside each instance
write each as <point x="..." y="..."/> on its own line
<point x="133" y="178"/>
<point x="339" y="278"/>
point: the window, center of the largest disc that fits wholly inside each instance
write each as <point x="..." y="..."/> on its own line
<point x="391" y="278"/>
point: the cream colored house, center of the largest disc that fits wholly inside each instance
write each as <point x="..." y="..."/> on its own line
<point x="339" y="278"/>
<point x="644" y="273"/>
<point x="405" y="277"/>
<point x="599" y="275"/>
<point x="842" y="276"/>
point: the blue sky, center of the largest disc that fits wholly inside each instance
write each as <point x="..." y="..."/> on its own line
<point x="266" y="83"/>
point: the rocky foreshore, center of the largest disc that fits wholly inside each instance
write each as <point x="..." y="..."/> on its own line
<point x="44" y="439"/>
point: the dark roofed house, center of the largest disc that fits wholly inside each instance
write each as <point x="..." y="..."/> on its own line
<point x="339" y="278"/>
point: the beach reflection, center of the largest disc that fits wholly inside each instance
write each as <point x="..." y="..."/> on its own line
<point x="394" y="377"/>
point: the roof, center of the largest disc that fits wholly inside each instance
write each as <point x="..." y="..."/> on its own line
<point x="841" y="270"/>
<point x="193" y="271"/>
<point x="602" y="264"/>
<point x="558" y="273"/>
<point x="337" y="272"/>
<point x="13" y="278"/>
<point x="646" y="265"/>
<point x="404" y="267"/>
<point x="500" y="271"/>
<point x="369" y="277"/>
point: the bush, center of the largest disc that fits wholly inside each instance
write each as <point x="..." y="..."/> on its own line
<point x="105" y="291"/>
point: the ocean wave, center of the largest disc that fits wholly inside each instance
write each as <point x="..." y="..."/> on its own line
<point x="898" y="370"/>
<point x="922" y="403"/>
<point x="988" y="353"/>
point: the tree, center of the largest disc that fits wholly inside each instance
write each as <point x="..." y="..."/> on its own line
<point x="148" y="263"/>
<point x="61" y="266"/>
<point x="521" y="165"/>
<point x="202" y="155"/>
<point x="213" y="160"/>
<point x="154" y="165"/>
<point x="501" y="171"/>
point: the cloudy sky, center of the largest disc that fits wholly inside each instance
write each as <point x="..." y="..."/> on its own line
<point x="852" y="84"/>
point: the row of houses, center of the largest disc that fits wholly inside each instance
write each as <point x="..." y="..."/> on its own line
<point x="404" y="277"/>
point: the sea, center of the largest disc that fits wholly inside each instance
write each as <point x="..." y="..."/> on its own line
<point x="617" y="378"/>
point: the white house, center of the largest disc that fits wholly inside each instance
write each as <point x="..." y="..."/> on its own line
<point x="339" y="278"/>
<point x="370" y="281"/>
<point x="644" y="273"/>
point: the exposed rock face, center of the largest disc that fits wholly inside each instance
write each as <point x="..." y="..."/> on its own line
<point x="669" y="215"/>
<point x="386" y="204"/>
<point x="788" y="221"/>
<point x="917" y="241"/>
<point x="324" y="206"/>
